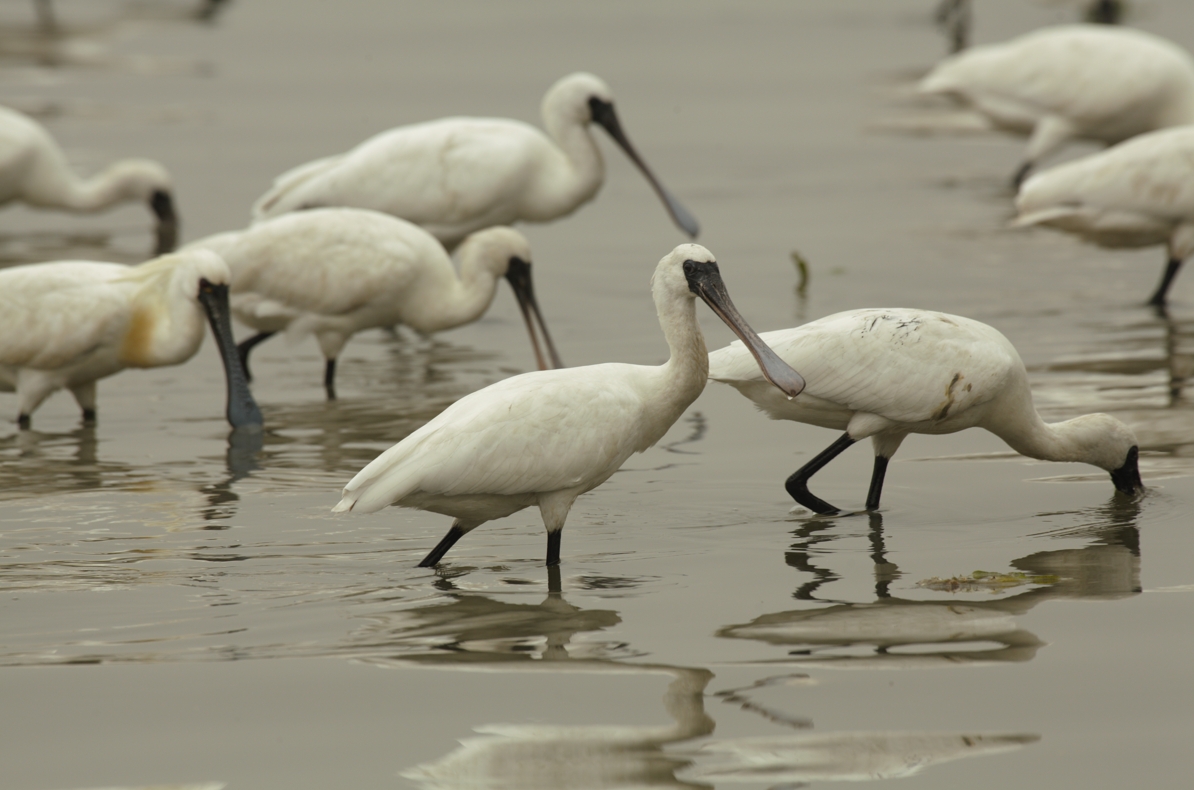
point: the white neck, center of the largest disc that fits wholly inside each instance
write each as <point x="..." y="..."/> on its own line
<point x="457" y="301"/>
<point x="63" y="189"/>
<point x="683" y="376"/>
<point x="576" y="172"/>
<point x="1073" y="440"/>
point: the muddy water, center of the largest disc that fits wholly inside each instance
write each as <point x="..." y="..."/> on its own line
<point x="179" y="606"/>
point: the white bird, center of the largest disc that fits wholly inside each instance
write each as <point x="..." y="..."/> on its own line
<point x="886" y="373"/>
<point x="70" y="323"/>
<point x="1135" y="194"/>
<point x="546" y="437"/>
<point x="458" y="175"/>
<point x="33" y="170"/>
<point x="1088" y="82"/>
<point x="334" y="272"/>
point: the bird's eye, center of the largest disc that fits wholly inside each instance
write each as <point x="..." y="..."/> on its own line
<point x="689" y="267"/>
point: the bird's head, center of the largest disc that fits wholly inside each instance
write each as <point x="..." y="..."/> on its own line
<point x="691" y="271"/>
<point x="573" y="97"/>
<point x="1109" y="445"/>
<point x="504" y="252"/>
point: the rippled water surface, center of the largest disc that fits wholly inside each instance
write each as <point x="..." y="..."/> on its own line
<point x="179" y="607"/>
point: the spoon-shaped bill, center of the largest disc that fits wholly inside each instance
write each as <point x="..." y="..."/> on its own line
<point x="603" y="114"/>
<point x="242" y="410"/>
<point x="704" y="280"/>
<point x="519" y="276"/>
<point x="167" y="231"/>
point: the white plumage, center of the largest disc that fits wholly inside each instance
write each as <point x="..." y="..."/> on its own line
<point x="1088" y="82"/>
<point x="886" y="373"/>
<point x="547" y="437"/>
<point x="34" y="170"/>
<point x="458" y="175"/>
<point x="70" y="323"/>
<point x="334" y="272"/>
<point x="1135" y="194"/>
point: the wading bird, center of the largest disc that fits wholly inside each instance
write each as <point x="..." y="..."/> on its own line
<point x="71" y="323"/>
<point x="886" y="373"/>
<point x="545" y="438"/>
<point x="1075" y="82"/>
<point x="458" y="175"/>
<point x="334" y="272"/>
<point x="1135" y="194"/>
<point x="33" y="170"/>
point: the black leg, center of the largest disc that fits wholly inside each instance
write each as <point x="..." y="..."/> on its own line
<point x="245" y="346"/>
<point x="553" y="580"/>
<point x="441" y="548"/>
<point x="1171" y="270"/>
<point x="872" y="496"/>
<point x="23" y="421"/>
<point x="88" y="415"/>
<point x="553" y="547"/>
<point x="329" y="379"/>
<point x="797" y="484"/>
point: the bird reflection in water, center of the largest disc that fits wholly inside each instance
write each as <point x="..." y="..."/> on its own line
<point x="902" y="632"/>
<point x="478" y="633"/>
<point x="60" y="462"/>
<point x="477" y="629"/>
<point x="549" y="756"/>
<point x="841" y="756"/>
<point x="1133" y="350"/>
<point x="57" y="462"/>
<point x="244" y="446"/>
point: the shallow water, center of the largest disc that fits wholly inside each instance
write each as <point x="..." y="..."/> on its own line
<point x="180" y="607"/>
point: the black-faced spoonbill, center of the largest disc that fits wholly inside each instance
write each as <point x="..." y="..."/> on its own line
<point x="334" y="272"/>
<point x="34" y="170"/>
<point x="544" y="438"/>
<point x="1089" y="82"/>
<point x="458" y="175"/>
<point x="1135" y="194"/>
<point x="70" y="323"/>
<point x="886" y="373"/>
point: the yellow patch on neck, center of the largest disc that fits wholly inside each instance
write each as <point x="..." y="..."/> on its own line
<point x="137" y="347"/>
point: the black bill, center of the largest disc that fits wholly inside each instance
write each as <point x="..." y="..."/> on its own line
<point x="242" y="410"/>
<point x="1127" y="477"/>
<point x="519" y="276"/>
<point x="604" y="115"/>
<point x="162" y="206"/>
<point x="704" y="280"/>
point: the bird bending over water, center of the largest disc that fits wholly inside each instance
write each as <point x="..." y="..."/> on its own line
<point x="334" y="272"/>
<point x="544" y="438"/>
<point x="1135" y="194"/>
<point x="68" y="324"/>
<point x="1075" y="82"/>
<point x="886" y="373"/>
<point x="34" y="170"/>
<point x="458" y="175"/>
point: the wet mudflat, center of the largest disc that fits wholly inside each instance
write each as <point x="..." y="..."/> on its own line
<point x="179" y="606"/>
